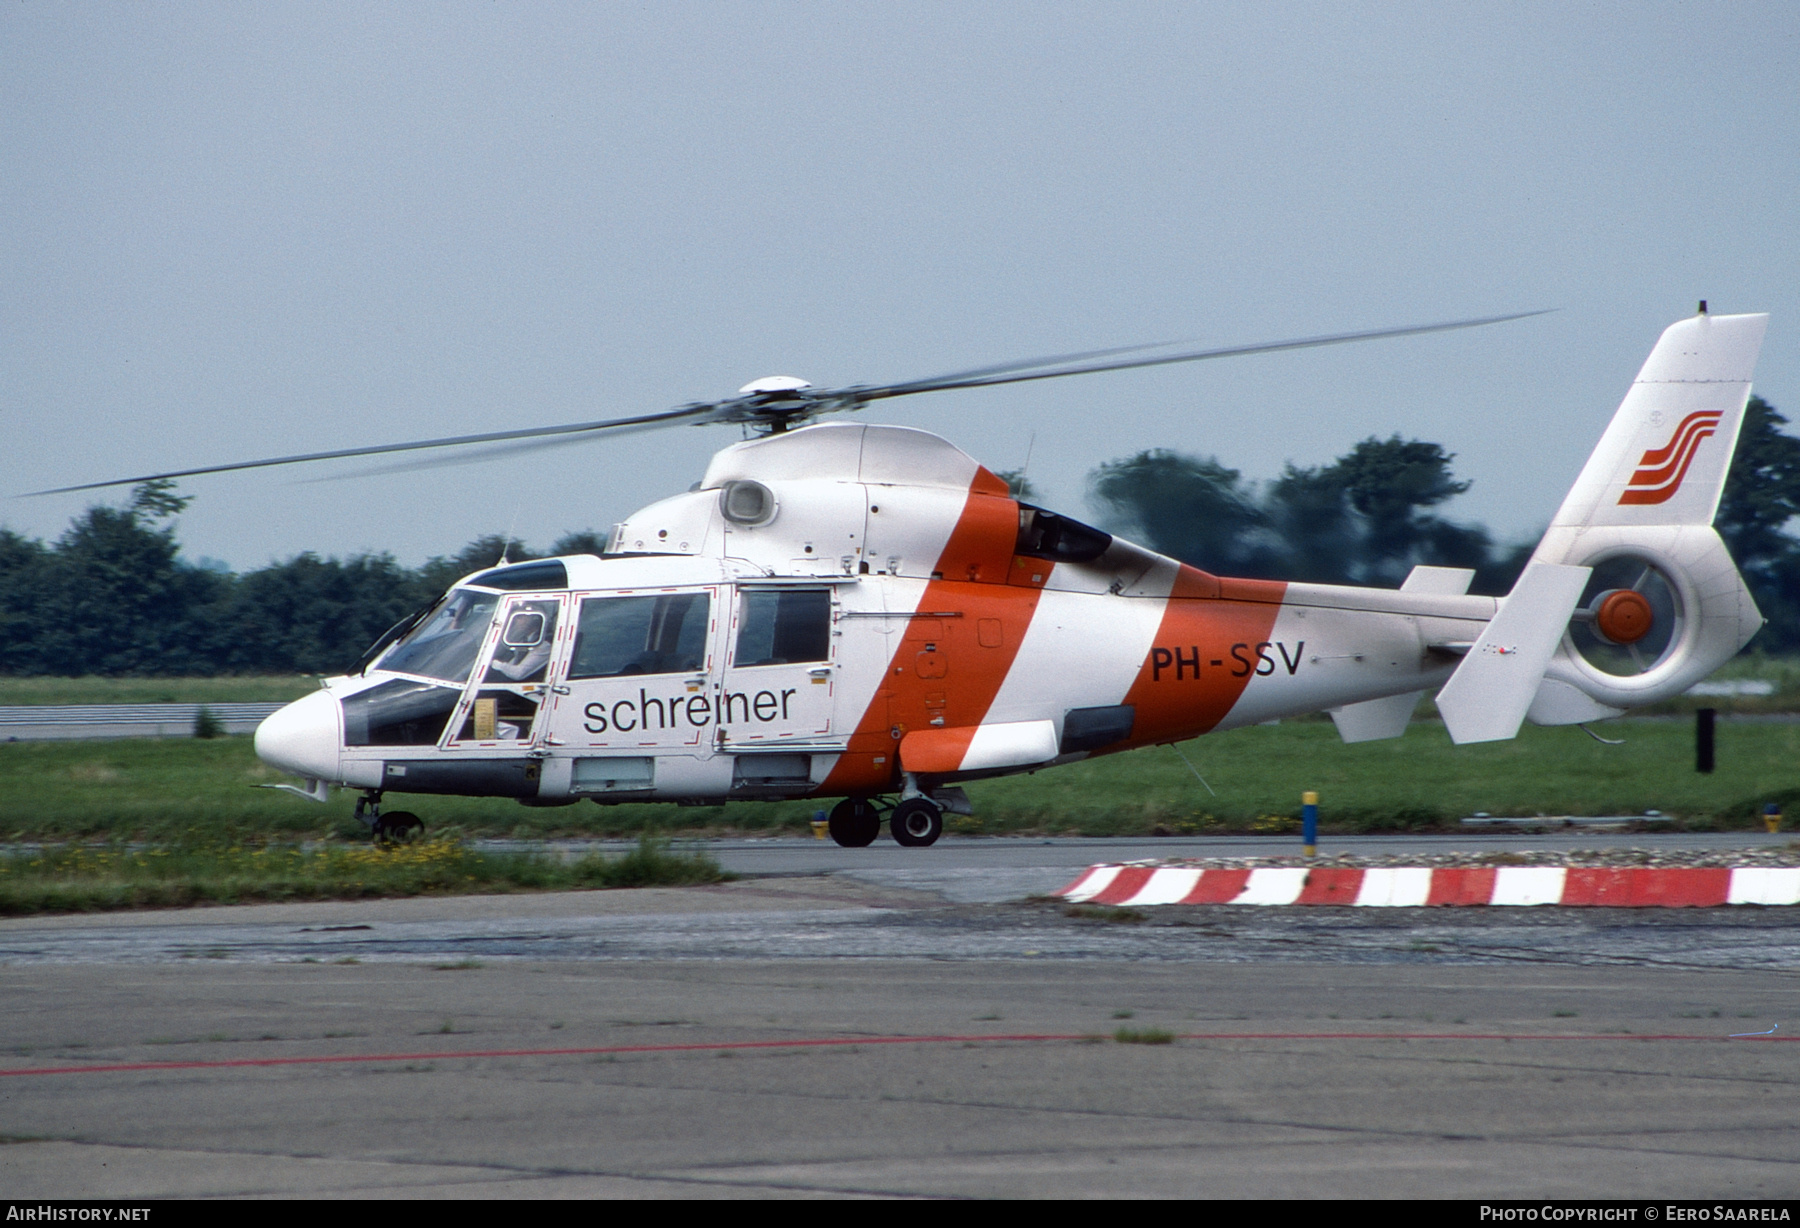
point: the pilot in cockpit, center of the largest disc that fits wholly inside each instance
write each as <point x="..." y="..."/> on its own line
<point x="524" y="647"/>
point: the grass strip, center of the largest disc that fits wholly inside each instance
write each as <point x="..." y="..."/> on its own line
<point x="87" y="878"/>
<point x="184" y="790"/>
<point x="228" y="689"/>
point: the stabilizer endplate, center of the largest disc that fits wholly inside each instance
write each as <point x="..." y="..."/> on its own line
<point x="1488" y="695"/>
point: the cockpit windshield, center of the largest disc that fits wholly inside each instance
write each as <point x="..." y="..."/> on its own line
<point x="444" y="645"/>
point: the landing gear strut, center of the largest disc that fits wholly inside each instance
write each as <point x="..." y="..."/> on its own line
<point x="395" y="827"/>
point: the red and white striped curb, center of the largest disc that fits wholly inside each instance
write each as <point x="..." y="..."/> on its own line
<point x="1415" y="886"/>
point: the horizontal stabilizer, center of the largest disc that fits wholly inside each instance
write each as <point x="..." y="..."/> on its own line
<point x="1444" y="581"/>
<point x="1375" y="719"/>
<point x="1488" y="695"/>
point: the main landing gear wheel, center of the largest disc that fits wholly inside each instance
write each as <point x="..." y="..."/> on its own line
<point x="399" y="827"/>
<point x="916" y="823"/>
<point x="854" y="823"/>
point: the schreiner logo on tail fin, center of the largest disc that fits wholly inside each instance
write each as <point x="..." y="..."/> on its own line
<point x="1659" y="474"/>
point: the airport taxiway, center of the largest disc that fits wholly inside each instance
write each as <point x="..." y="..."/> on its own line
<point x="973" y="1048"/>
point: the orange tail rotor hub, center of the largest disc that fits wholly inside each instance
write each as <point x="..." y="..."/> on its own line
<point x="1624" y="616"/>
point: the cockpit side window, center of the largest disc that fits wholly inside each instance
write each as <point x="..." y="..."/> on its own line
<point x="618" y="636"/>
<point x="1047" y="535"/>
<point x="445" y="645"/>
<point x="399" y="712"/>
<point x="783" y="626"/>
<point x="525" y="642"/>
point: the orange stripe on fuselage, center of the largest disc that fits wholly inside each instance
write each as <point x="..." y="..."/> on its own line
<point x="1203" y="656"/>
<point x="942" y="676"/>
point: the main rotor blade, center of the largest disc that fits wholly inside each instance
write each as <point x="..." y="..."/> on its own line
<point x="943" y="384"/>
<point x="810" y="403"/>
<point x="474" y="456"/>
<point x="536" y="432"/>
<point x="1025" y="364"/>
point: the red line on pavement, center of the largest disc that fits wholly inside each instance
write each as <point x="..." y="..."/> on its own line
<point x="844" y="1042"/>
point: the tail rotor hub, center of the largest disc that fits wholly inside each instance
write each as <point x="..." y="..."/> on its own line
<point x="1623" y="616"/>
<point x="1631" y="617"/>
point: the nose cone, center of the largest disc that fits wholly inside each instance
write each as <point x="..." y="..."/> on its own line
<point x="303" y="738"/>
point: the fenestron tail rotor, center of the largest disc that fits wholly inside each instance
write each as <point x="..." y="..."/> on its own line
<point x="780" y="403"/>
<point x="1629" y="618"/>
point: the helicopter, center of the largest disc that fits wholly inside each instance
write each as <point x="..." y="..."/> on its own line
<point x="865" y="613"/>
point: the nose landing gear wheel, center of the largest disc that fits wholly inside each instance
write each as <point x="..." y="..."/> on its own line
<point x="854" y="823"/>
<point x="916" y="823"/>
<point x="398" y="827"/>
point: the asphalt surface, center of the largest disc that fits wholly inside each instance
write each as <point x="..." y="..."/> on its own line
<point x="841" y="918"/>
<point x="974" y="869"/>
<point x="879" y="1030"/>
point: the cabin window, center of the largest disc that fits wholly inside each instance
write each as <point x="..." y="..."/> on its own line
<point x="499" y="716"/>
<point x="444" y="645"/>
<point x="1047" y="535"/>
<point x="524" y="647"/>
<point x="618" y="636"/>
<point x="784" y="626"/>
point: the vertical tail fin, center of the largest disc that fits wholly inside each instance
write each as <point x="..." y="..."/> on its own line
<point x="1664" y="604"/>
<point x="1641" y="515"/>
<point x="1664" y="458"/>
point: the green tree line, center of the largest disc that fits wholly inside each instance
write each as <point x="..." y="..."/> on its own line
<point x="113" y="595"/>
<point x="1369" y="518"/>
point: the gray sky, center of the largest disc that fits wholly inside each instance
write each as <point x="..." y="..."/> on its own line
<point x="233" y="231"/>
